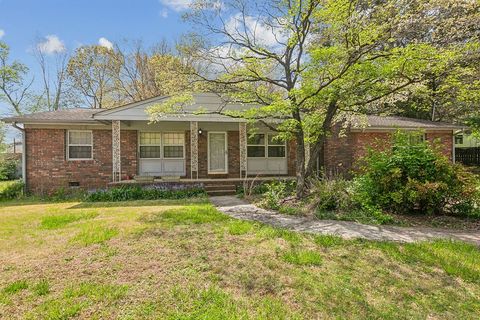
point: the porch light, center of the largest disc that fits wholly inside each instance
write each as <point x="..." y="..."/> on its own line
<point x="200" y="131"/>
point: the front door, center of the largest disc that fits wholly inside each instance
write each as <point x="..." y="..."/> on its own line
<point x="217" y="152"/>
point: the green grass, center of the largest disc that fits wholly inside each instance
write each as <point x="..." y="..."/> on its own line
<point x="185" y="260"/>
<point x="15" y="287"/>
<point x="95" y="234"/>
<point x="61" y="220"/>
<point x="302" y="257"/>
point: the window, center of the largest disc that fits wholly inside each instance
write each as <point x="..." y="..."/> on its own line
<point x="173" y="144"/>
<point x="256" y="146"/>
<point x="459" y="139"/>
<point x="150" y="145"/>
<point x="276" y="147"/>
<point x="416" y="138"/>
<point x="259" y="147"/>
<point x="80" y="145"/>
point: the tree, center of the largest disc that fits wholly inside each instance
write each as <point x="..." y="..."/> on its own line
<point x="308" y="63"/>
<point x="92" y="70"/>
<point x="14" y="87"/>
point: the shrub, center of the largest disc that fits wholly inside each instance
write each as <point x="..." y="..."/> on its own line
<point x="127" y="193"/>
<point x="9" y="169"/>
<point x="276" y="191"/>
<point x="339" y="199"/>
<point x="11" y="190"/>
<point x="415" y="178"/>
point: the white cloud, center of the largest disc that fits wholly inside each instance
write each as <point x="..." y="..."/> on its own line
<point x="177" y="5"/>
<point x="51" y="44"/>
<point x="255" y="29"/>
<point x="104" y="42"/>
<point x="163" y="13"/>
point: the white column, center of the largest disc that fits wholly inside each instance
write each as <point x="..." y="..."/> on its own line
<point x="194" y="149"/>
<point x="116" y="155"/>
<point x="242" y="128"/>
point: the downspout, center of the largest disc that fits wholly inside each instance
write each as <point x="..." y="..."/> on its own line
<point x="24" y="156"/>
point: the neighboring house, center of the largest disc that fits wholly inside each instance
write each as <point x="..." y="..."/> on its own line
<point x="92" y="148"/>
<point x="466" y="140"/>
<point x="467" y="149"/>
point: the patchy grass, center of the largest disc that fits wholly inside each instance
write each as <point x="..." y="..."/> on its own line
<point x="302" y="257"/>
<point x="95" y="234"/>
<point x="61" y="220"/>
<point x="179" y="260"/>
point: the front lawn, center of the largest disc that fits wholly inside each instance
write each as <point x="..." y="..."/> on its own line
<point x="184" y="260"/>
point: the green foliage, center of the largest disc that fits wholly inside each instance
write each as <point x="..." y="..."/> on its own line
<point x="127" y="193"/>
<point x="276" y="191"/>
<point x="338" y="199"/>
<point x="415" y="178"/>
<point x="190" y="215"/>
<point x="9" y="169"/>
<point x="11" y="190"/>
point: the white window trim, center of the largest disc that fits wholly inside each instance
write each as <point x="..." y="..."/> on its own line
<point x="266" y="145"/>
<point x="161" y="145"/>
<point x="226" y="153"/>
<point x="173" y="145"/>
<point x="79" y="145"/>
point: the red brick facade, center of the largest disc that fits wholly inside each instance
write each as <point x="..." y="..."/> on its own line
<point x="48" y="169"/>
<point x="343" y="151"/>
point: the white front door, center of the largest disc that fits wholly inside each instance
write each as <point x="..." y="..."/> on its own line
<point x="217" y="152"/>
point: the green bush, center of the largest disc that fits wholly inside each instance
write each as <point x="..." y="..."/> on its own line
<point x="11" y="190"/>
<point x="276" y="191"/>
<point x="8" y="169"/>
<point x="127" y="193"/>
<point x="415" y="178"/>
<point x="338" y="199"/>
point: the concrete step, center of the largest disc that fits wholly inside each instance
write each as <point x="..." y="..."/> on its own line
<point x="220" y="187"/>
<point x="221" y="192"/>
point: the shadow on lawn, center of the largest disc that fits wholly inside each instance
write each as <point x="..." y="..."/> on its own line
<point x="140" y="203"/>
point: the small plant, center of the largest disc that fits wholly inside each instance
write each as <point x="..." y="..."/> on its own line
<point x="276" y="192"/>
<point x="59" y="221"/>
<point x="94" y="234"/>
<point x="9" y="169"/>
<point x="41" y="288"/>
<point x="15" y="287"/>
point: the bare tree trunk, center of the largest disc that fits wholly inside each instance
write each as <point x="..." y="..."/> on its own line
<point x="300" y="166"/>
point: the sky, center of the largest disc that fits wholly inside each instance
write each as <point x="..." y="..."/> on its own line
<point x="68" y="24"/>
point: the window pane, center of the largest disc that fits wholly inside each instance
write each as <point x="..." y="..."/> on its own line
<point x="75" y="137"/>
<point x="173" y="138"/>
<point x="255" y="151"/>
<point x="173" y="152"/>
<point x="79" y="152"/>
<point x="256" y="139"/>
<point x="149" y="152"/>
<point x="150" y="138"/>
<point x="276" y="152"/>
<point x="459" y="139"/>
<point x="274" y="142"/>
<point x="417" y="138"/>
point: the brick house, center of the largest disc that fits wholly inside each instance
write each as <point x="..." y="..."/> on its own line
<point x="94" y="148"/>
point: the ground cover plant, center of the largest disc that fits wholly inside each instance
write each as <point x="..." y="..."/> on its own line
<point x="182" y="259"/>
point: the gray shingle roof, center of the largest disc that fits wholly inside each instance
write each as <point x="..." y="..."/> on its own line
<point x="65" y="115"/>
<point x="400" y="122"/>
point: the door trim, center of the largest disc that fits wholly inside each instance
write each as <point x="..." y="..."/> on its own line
<point x="226" y="153"/>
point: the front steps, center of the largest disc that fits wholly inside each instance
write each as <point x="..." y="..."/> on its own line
<point x="220" y="189"/>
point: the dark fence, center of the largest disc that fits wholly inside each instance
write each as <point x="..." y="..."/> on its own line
<point x="468" y="156"/>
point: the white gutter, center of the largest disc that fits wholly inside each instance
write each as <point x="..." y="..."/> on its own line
<point x="24" y="156"/>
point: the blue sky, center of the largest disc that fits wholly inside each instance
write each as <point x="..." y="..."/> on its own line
<point x="73" y="23"/>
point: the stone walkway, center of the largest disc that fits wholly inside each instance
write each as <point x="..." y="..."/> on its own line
<point x="243" y="210"/>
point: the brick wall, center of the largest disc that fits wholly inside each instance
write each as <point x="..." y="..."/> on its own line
<point x="443" y="140"/>
<point x="48" y="169"/>
<point x="342" y="153"/>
